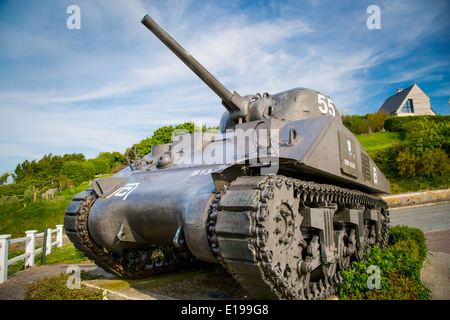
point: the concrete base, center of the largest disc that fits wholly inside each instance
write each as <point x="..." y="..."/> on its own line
<point x="207" y="283"/>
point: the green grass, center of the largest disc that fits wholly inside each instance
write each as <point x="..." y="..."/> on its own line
<point x="56" y="288"/>
<point x="67" y="254"/>
<point x="18" y="216"/>
<point x="373" y="142"/>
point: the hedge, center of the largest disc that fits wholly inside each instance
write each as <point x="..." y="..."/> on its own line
<point x="397" y="124"/>
<point x="78" y="172"/>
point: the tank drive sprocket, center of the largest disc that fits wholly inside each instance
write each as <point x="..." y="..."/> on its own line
<point x="277" y="237"/>
<point x="132" y="263"/>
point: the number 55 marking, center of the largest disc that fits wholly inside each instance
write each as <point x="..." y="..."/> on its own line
<point x="325" y="105"/>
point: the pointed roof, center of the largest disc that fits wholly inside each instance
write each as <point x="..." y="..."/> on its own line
<point x="394" y="102"/>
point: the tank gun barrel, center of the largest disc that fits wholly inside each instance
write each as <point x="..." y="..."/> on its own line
<point x="232" y="101"/>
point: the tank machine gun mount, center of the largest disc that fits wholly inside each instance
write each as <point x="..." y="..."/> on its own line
<point x="284" y="197"/>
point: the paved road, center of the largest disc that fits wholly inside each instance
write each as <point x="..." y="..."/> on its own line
<point x="427" y="218"/>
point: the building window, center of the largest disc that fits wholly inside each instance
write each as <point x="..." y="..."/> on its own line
<point x="408" y="107"/>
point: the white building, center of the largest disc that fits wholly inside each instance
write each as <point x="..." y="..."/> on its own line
<point x="411" y="101"/>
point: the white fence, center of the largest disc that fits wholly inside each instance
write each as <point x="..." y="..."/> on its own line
<point x="30" y="248"/>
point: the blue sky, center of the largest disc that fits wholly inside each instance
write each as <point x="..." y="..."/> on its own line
<point x="111" y="83"/>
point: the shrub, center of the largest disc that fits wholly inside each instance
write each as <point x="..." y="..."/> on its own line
<point x="399" y="269"/>
<point x="369" y="123"/>
<point x="65" y="182"/>
<point x="356" y="124"/>
<point x="28" y="195"/>
<point x="112" y="159"/>
<point x="397" y="124"/>
<point x="78" y="172"/>
<point x="100" y="165"/>
<point x="404" y="233"/>
<point x="165" y="135"/>
<point x="376" y="120"/>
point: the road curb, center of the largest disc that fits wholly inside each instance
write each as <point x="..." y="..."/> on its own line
<point x="417" y="198"/>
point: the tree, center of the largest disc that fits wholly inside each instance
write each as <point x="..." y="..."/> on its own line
<point x="165" y="135"/>
<point x="4" y="178"/>
<point x="356" y="123"/>
<point x="376" y="120"/>
<point x="78" y="171"/>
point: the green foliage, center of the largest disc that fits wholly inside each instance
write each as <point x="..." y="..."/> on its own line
<point x="4" y="178"/>
<point x="430" y="164"/>
<point x="18" y="188"/>
<point x="100" y="165"/>
<point x="399" y="266"/>
<point x="369" y="123"/>
<point x="55" y="288"/>
<point x="376" y="120"/>
<point x="78" y="171"/>
<point x="356" y="123"/>
<point x="421" y="156"/>
<point x="113" y="159"/>
<point x="28" y="195"/>
<point x="16" y="216"/>
<point x="162" y="135"/>
<point x="405" y="233"/>
<point x="45" y="169"/>
<point x="58" y="171"/>
<point x="397" y="124"/>
<point x="165" y="135"/>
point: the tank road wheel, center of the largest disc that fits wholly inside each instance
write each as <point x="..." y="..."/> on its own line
<point x="126" y="263"/>
<point x="346" y="247"/>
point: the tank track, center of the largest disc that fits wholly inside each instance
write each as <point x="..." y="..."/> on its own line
<point x="283" y="238"/>
<point x="129" y="263"/>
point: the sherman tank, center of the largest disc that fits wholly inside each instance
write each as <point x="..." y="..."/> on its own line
<point x="284" y="197"/>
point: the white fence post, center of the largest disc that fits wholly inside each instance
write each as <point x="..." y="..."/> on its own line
<point x="59" y="234"/>
<point x="49" y="242"/>
<point x="31" y="244"/>
<point x="30" y="248"/>
<point x="4" y="243"/>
